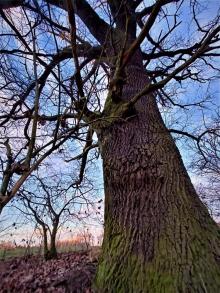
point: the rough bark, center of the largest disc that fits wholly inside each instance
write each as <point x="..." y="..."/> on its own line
<point x="158" y="235"/>
<point x="46" y="250"/>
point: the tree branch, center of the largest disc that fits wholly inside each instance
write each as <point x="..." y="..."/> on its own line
<point x="5" y="4"/>
<point x="148" y="10"/>
<point x="97" y="26"/>
<point x="153" y="87"/>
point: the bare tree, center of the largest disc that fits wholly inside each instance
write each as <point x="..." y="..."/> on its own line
<point x="158" y="234"/>
<point x="51" y="202"/>
<point x="206" y="163"/>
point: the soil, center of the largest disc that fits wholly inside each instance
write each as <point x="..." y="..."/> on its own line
<point x="71" y="272"/>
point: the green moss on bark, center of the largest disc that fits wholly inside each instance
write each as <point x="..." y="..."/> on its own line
<point x="121" y="270"/>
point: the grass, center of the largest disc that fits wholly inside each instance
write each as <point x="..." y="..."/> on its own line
<point x="8" y="253"/>
<point x="18" y="252"/>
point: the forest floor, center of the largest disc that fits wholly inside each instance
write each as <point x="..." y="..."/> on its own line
<point x="71" y="272"/>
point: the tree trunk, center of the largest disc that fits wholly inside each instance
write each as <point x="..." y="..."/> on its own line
<point x="46" y="250"/>
<point x="158" y="237"/>
<point x="52" y="254"/>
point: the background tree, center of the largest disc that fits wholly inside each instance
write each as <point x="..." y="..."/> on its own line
<point x="206" y="164"/>
<point x="158" y="234"/>
<point x="51" y="202"/>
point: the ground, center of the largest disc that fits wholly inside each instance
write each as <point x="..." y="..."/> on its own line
<point x="71" y="272"/>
